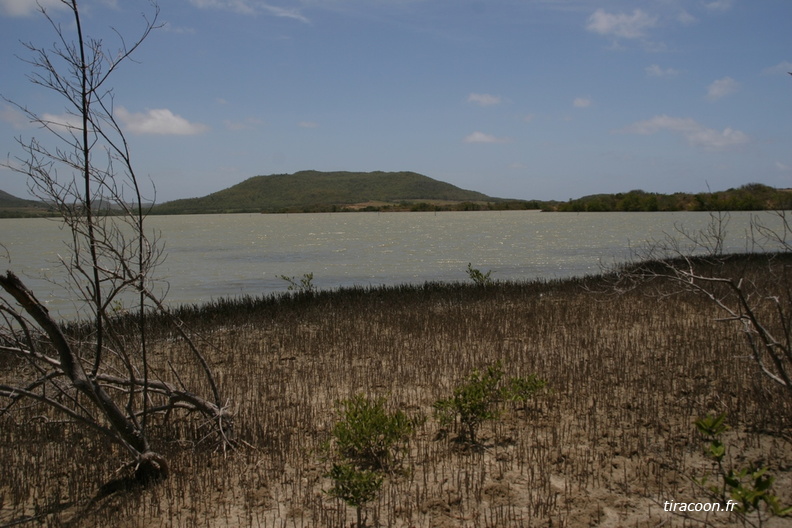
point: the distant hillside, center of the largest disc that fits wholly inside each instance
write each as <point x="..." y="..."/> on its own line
<point x="12" y="206"/>
<point x="307" y="191"/>
<point x="314" y="191"/>
<point x="9" y="200"/>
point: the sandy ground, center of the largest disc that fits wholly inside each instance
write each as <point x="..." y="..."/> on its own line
<point x="606" y="445"/>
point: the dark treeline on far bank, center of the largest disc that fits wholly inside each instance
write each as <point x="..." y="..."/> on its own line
<point x="749" y="197"/>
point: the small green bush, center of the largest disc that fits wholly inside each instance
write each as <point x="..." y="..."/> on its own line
<point x="749" y="487"/>
<point x="365" y="443"/>
<point x="520" y="390"/>
<point x="478" y="398"/>
<point x="473" y="402"/>
<point x="354" y="486"/>
<point x="479" y="278"/>
<point x="370" y="436"/>
<point x="304" y="285"/>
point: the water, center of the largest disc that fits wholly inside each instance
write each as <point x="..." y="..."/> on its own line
<point x="213" y="256"/>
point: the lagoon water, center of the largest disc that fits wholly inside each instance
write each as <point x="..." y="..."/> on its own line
<point x="213" y="256"/>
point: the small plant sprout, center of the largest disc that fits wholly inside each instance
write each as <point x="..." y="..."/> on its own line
<point x="303" y="285"/>
<point x="479" y="278"/>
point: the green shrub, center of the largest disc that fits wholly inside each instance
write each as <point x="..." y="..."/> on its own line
<point x="304" y="285"/>
<point x="749" y="487"/>
<point x="479" y="278"/>
<point x="473" y="402"/>
<point x="478" y="399"/>
<point x="365" y="442"/>
<point x="370" y="436"/>
<point x="354" y="486"/>
<point x="520" y="390"/>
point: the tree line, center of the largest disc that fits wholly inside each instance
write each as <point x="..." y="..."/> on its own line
<point x="749" y="197"/>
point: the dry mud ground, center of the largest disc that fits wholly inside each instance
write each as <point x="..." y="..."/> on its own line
<point x="606" y="445"/>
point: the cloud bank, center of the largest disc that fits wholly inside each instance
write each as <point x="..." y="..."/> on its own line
<point x="781" y="67"/>
<point x="656" y="71"/>
<point x="581" y="102"/>
<point x="250" y="7"/>
<point x="696" y="134"/>
<point x="483" y="99"/>
<point x="481" y="137"/>
<point x="722" y="88"/>
<point x="621" y="25"/>
<point x="159" y="121"/>
<point x="21" y="8"/>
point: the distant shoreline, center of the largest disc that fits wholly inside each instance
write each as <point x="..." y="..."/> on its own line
<point x="750" y="197"/>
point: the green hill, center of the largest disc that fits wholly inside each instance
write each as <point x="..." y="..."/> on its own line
<point x="12" y="206"/>
<point x="9" y="200"/>
<point x="314" y="191"/>
<point x="323" y="191"/>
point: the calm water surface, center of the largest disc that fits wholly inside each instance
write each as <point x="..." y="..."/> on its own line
<point x="212" y="256"/>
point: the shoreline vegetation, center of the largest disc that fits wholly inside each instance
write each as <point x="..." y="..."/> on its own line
<point x="608" y="442"/>
<point x="320" y="192"/>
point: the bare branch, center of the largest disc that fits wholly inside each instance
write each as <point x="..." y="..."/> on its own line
<point x="701" y="268"/>
<point x="99" y="373"/>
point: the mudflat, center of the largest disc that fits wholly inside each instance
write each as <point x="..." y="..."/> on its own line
<point x="608" y="443"/>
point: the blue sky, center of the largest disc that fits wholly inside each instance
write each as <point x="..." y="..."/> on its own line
<point x="544" y="99"/>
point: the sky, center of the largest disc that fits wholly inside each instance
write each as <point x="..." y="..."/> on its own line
<point x="527" y="99"/>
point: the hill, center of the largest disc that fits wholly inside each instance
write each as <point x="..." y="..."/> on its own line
<point x="308" y="191"/>
<point x="12" y="206"/>
<point x="9" y="200"/>
<point x="315" y="191"/>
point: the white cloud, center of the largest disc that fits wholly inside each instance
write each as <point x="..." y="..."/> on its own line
<point x="481" y="137"/>
<point x="685" y="18"/>
<point x="248" y="124"/>
<point x="11" y="115"/>
<point x="59" y="123"/>
<point x="621" y="24"/>
<point x="158" y="121"/>
<point x="581" y="102"/>
<point x="483" y="99"/>
<point x="783" y="167"/>
<point x="249" y="7"/>
<point x="286" y="13"/>
<point x="308" y="124"/>
<point x="63" y="120"/>
<point x="694" y="133"/>
<point x="237" y="6"/>
<point x="719" y="5"/>
<point x="21" y="8"/>
<point x="722" y="88"/>
<point x="178" y="30"/>
<point x="781" y="67"/>
<point x="656" y="71"/>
